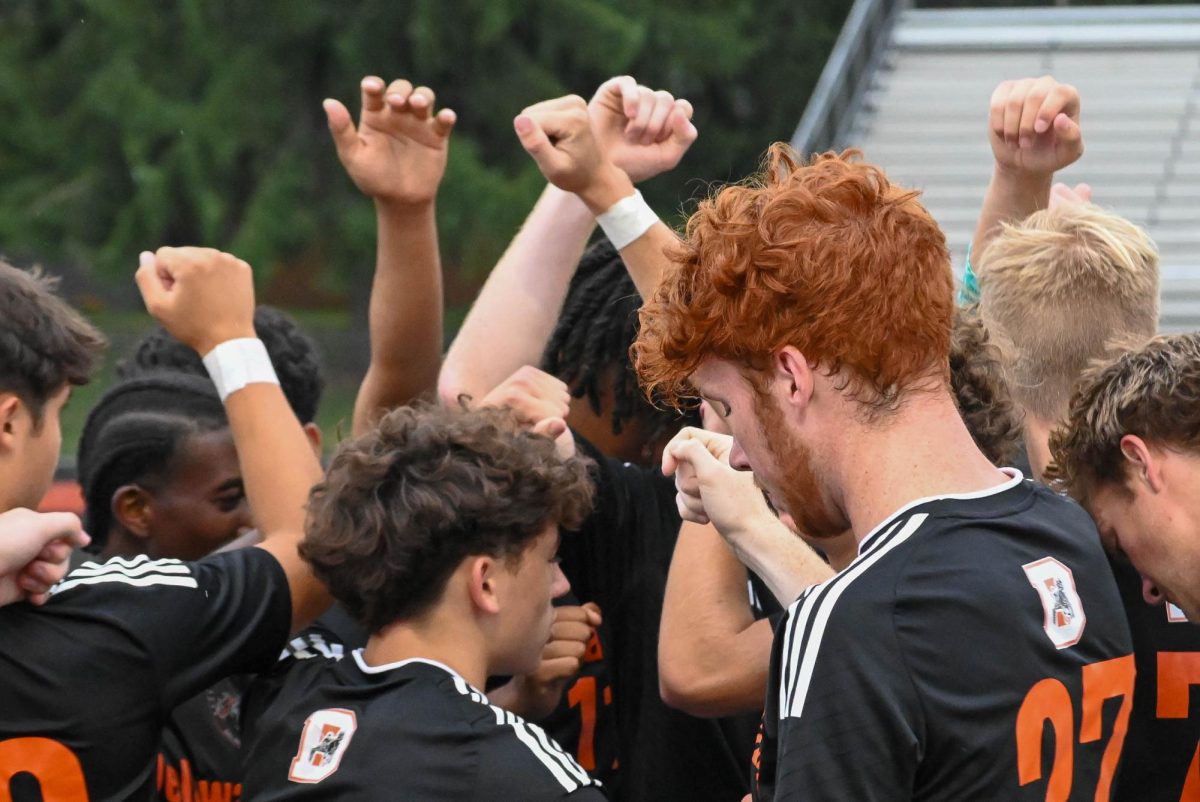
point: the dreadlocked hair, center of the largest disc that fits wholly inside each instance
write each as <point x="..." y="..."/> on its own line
<point x="591" y="341"/>
<point x="132" y="434"/>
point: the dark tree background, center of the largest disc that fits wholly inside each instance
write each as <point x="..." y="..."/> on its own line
<point x="128" y="124"/>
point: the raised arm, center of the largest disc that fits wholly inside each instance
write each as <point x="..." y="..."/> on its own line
<point x="1033" y="128"/>
<point x="205" y="298"/>
<point x="516" y="310"/>
<point x="397" y="157"/>
<point x="570" y="143"/>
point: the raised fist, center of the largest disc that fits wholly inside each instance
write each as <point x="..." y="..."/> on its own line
<point x="643" y="131"/>
<point x="201" y="296"/>
<point x="1033" y="125"/>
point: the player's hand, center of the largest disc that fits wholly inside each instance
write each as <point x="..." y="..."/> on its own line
<point x="539" y="401"/>
<point x="644" y="132"/>
<point x="1033" y="125"/>
<point x="558" y="135"/>
<point x="562" y="658"/>
<point x="201" y="296"/>
<point x="398" y="152"/>
<point x="532" y="394"/>
<point x="1063" y="195"/>
<point x="708" y="490"/>
<point x="34" y="550"/>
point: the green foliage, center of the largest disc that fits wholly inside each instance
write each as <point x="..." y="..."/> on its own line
<point x="134" y="123"/>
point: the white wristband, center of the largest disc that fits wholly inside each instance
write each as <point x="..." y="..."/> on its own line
<point x="235" y="363"/>
<point x="627" y="219"/>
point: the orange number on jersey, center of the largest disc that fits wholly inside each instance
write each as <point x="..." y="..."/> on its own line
<point x="54" y="766"/>
<point x="1177" y="671"/>
<point x="583" y="695"/>
<point x="1046" y="701"/>
<point x="1049" y="701"/>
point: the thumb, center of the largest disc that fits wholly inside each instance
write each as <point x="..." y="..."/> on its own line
<point x="1084" y="191"/>
<point x="150" y="284"/>
<point x="537" y="144"/>
<point x="340" y="126"/>
<point x="1066" y="129"/>
<point x="683" y="132"/>
<point x="593" y="611"/>
<point x="550" y="427"/>
<point x="694" y="453"/>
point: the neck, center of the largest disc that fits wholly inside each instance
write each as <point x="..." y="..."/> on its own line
<point x="923" y="450"/>
<point x="432" y="637"/>
<point x="121" y="543"/>
<point x="1037" y="443"/>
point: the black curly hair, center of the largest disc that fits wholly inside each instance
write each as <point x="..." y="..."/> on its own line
<point x="292" y="352"/>
<point x="591" y="341"/>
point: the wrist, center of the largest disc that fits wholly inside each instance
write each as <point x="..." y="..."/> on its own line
<point x="610" y="185"/>
<point x="236" y="363"/>
<point x="1020" y="179"/>
<point x="209" y="340"/>
<point x="391" y="208"/>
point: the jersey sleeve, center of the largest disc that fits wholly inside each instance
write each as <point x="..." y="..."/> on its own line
<point x="194" y="623"/>
<point x="847" y="720"/>
<point x="515" y="753"/>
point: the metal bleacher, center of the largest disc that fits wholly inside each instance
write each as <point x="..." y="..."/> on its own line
<point x="918" y="107"/>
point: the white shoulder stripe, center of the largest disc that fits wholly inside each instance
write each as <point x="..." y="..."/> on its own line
<point x="138" y="581"/>
<point x="805" y="649"/>
<point x="570" y="775"/>
<point x="159" y="567"/>
<point x="526" y="737"/>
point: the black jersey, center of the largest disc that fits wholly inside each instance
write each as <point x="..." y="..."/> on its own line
<point x="87" y="681"/>
<point x="324" y="729"/>
<point x="619" y="559"/>
<point x="1162" y="758"/>
<point x="975" y="649"/>
<point x="200" y="756"/>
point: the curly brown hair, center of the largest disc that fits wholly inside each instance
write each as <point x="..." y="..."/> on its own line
<point x="980" y="389"/>
<point x="1152" y="392"/>
<point x="829" y="257"/>
<point x="403" y="505"/>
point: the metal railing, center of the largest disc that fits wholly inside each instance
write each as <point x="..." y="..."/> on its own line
<point x="840" y="89"/>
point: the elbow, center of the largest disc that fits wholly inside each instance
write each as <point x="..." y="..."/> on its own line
<point x="692" y="691"/>
<point x="450" y="391"/>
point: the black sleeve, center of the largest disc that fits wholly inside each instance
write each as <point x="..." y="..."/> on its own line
<point x="844" y="707"/>
<point x="634" y="524"/>
<point x="195" y="622"/>
<point x="519" y="754"/>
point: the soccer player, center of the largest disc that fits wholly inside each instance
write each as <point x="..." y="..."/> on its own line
<point x="1130" y="452"/>
<point x="438" y="531"/>
<point x="812" y="307"/>
<point x="155" y="632"/>
<point x="552" y="302"/>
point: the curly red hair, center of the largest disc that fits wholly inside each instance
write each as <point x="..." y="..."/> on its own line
<point x="829" y="257"/>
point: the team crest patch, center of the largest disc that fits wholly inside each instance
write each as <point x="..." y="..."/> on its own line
<point x="1055" y="586"/>
<point x="324" y="740"/>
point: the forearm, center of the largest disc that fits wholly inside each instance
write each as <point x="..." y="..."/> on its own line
<point x="713" y="656"/>
<point x="405" y="314"/>
<point x="515" y="313"/>
<point x="1012" y="195"/>
<point x="646" y="257"/>
<point x="781" y="559"/>
<point x="278" y="469"/>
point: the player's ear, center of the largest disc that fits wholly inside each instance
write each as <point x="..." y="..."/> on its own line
<point x="133" y="510"/>
<point x="1143" y="464"/>
<point x="796" y="375"/>
<point x="10" y="408"/>
<point x="313" y="433"/>
<point x="484" y="578"/>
